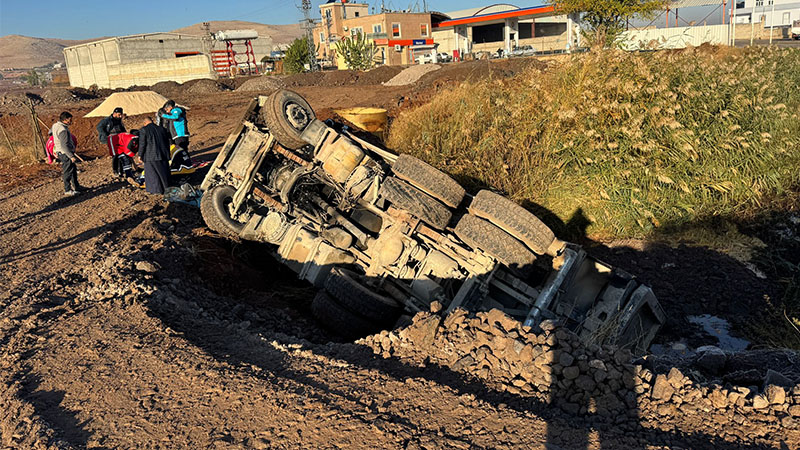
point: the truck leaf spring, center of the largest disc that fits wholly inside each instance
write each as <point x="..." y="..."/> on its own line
<point x="290" y="155"/>
<point x="271" y="202"/>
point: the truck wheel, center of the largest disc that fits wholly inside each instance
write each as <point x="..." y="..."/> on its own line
<point x="340" y="320"/>
<point x="426" y="178"/>
<point x="480" y="234"/>
<point x="404" y="196"/>
<point x="513" y="219"/>
<point x="350" y="290"/>
<point x="287" y="114"/>
<point x="214" y="209"/>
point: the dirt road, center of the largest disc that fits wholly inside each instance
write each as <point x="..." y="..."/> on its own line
<point x="112" y="338"/>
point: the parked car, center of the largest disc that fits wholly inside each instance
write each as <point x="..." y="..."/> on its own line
<point x="525" y="50"/>
<point x="427" y="58"/>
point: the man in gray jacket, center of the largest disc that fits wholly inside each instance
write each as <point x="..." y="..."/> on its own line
<point x="64" y="150"/>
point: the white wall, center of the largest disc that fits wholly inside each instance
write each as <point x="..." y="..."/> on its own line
<point x="680" y="37"/>
<point x="116" y="75"/>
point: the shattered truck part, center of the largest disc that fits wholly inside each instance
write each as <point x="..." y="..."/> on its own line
<point x="386" y="236"/>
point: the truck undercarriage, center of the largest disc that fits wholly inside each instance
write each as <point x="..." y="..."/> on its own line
<point x="384" y="236"/>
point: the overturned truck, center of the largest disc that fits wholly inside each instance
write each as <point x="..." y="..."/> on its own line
<point x="384" y="236"/>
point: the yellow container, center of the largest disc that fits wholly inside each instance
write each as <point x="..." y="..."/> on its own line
<point x="373" y="120"/>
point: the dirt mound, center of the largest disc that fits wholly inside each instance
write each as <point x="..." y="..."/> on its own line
<point x="412" y="74"/>
<point x="203" y="86"/>
<point x="601" y="382"/>
<point x="88" y="94"/>
<point x="264" y="83"/>
<point x="303" y="79"/>
<point x="166" y="88"/>
<point x="56" y="96"/>
<point x="340" y="77"/>
<point x="378" y="75"/>
<point x="16" y="101"/>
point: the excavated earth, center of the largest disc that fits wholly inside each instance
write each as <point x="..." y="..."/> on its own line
<point x="125" y="323"/>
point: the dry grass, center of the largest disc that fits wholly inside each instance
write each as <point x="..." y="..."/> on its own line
<point x="639" y="142"/>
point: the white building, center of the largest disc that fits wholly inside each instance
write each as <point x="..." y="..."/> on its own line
<point x="503" y="26"/>
<point x="776" y="13"/>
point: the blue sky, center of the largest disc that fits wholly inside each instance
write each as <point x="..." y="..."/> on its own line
<point x="85" y="19"/>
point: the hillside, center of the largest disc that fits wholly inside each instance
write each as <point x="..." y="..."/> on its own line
<point x="23" y="52"/>
<point x="280" y="34"/>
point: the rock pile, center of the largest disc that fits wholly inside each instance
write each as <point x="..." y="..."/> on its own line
<point x="601" y="382"/>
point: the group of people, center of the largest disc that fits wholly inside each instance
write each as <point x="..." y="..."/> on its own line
<point x="160" y="146"/>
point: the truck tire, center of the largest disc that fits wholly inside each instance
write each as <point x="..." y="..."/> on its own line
<point x="351" y="292"/>
<point x="513" y="219"/>
<point x="287" y="114"/>
<point x="338" y="319"/>
<point x="480" y="234"/>
<point x="214" y="209"/>
<point x="404" y="196"/>
<point x="429" y="180"/>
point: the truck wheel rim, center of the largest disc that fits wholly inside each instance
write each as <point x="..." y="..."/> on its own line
<point x="296" y="115"/>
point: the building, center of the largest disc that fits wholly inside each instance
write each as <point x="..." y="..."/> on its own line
<point x="146" y="59"/>
<point x="781" y="13"/>
<point x="399" y="36"/>
<point x="142" y="59"/>
<point x="504" y="26"/>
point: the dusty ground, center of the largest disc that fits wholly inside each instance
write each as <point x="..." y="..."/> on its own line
<point x="124" y="323"/>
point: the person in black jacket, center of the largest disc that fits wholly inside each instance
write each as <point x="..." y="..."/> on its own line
<point x="154" y="152"/>
<point x="110" y="125"/>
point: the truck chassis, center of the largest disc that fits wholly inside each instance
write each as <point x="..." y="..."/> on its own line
<point x="385" y="236"/>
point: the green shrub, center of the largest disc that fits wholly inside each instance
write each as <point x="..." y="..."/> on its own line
<point x="297" y="56"/>
<point x="357" y="51"/>
<point x="634" y="141"/>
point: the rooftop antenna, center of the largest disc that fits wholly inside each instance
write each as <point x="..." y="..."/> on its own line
<point x="308" y="24"/>
<point x="424" y="5"/>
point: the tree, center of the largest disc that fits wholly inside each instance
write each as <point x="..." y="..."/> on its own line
<point x="32" y="77"/>
<point x="296" y="56"/>
<point x="358" y="52"/>
<point x="604" y="20"/>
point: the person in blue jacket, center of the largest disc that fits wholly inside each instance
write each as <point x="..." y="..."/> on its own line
<point x="177" y="124"/>
<point x="175" y="118"/>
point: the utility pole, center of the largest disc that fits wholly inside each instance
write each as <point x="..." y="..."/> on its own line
<point x="308" y="23"/>
<point x="771" y="21"/>
<point x="207" y="37"/>
<point x="752" y="23"/>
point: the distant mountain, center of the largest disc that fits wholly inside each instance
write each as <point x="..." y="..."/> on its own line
<point x="280" y="34"/>
<point x="24" y="52"/>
